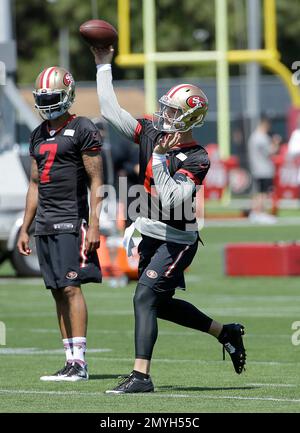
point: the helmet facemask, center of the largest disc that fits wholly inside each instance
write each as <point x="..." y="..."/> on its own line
<point x="168" y="118"/>
<point x="51" y="104"/>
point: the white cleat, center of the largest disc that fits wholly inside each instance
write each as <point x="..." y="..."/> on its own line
<point x="58" y="376"/>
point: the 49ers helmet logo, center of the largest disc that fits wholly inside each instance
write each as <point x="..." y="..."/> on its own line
<point x="195" y="101"/>
<point x="68" y="79"/>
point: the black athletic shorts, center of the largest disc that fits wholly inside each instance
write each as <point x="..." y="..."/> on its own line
<point x="63" y="260"/>
<point x="162" y="264"/>
<point x="263" y="185"/>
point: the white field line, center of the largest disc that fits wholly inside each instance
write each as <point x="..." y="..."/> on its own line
<point x="245" y="223"/>
<point x="292" y="312"/>
<point x="151" y="395"/>
<point x="256" y="300"/>
<point x="48" y="314"/>
<point x="22" y="281"/>
<point x="29" y="351"/>
<point x="194" y="361"/>
<point x="131" y="332"/>
<point x="25" y="351"/>
<point x="110" y="293"/>
<point x="274" y="385"/>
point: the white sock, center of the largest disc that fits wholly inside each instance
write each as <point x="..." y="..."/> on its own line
<point x="79" y="349"/>
<point x="68" y="346"/>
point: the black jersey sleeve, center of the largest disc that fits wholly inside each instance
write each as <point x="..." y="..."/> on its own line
<point x="145" y="129"/>
<point x="137" y="132"/>
<point x="196" y="166"/>
<point x="32" y="139"/>
<point x="31" y="146"/>
<point x="89" y="136"/>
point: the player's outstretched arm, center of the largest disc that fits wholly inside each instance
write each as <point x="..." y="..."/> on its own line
<point x="30" y="210"/>
<point x="93" y="166"/>
<point x="119" y="118"/>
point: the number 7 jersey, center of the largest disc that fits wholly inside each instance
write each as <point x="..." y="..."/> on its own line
<point x="62" y="187"/>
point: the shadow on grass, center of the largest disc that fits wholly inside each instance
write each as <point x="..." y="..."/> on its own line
<point x="205" y="388"/>
<point x="105" y="376"/>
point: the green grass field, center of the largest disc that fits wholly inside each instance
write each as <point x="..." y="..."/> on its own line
<point x="188" y="371"/>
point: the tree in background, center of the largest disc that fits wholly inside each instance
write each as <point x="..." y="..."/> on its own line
<point x="181" y="26"/>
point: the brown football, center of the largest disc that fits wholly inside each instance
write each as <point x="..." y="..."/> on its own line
<point x="98" y="33"/>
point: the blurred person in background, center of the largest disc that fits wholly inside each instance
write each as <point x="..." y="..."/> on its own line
<point x="294" y="141"/>
<point x="120" y="159"/>
<point x="126" y="164"/>
<point x="294" y="147"/>
<point x="107" y="163"/>
<point x="65" y="160"/>
<point x="261" y="148"/>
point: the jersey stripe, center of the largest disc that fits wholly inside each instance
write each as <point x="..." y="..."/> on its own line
<point x="173" y="265"/>
<point x="148" y="176"/>
<point x="190" y="175"/>
<point x="83" y="257"/>
<point x="136" y="137"/>
<point x="96" y="148"/>
<point x="185" y="145"/>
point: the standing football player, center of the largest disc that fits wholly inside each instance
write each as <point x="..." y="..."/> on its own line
<point x="65" y="151"/>
<point x="173" y="163"/>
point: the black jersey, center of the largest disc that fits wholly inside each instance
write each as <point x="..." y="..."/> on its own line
<point x="190" y="159"/>
<point x="62" y="201"/>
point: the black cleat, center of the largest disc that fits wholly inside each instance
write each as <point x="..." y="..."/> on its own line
<point x="232" y="340"/>
<point x="76" y="373"/>
<point x="131" y="384"/>
<point x="58" y="375"/>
